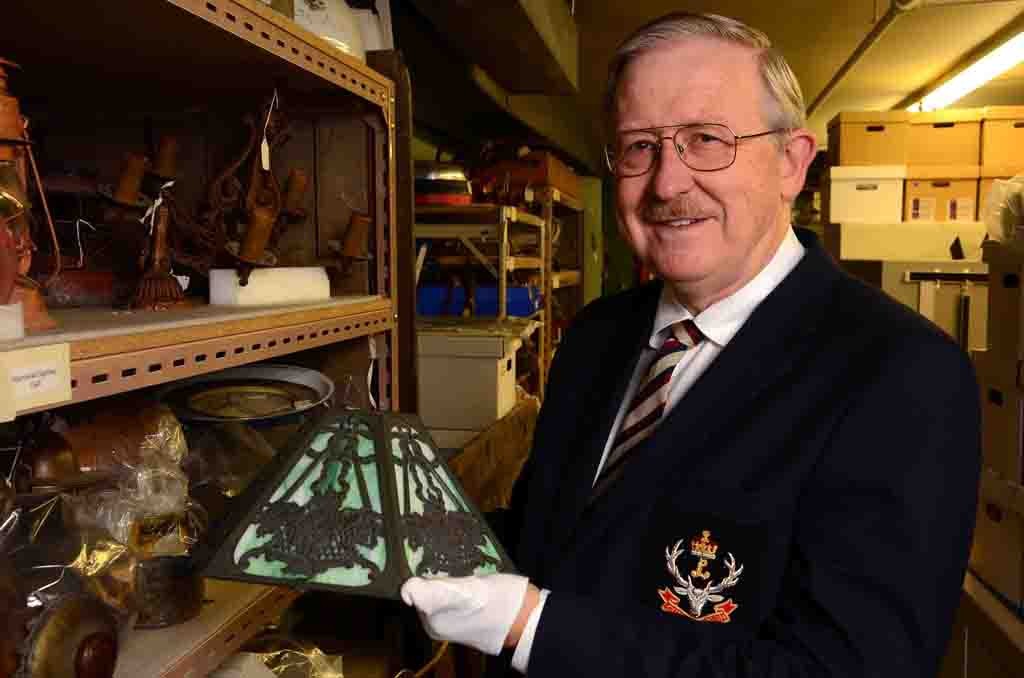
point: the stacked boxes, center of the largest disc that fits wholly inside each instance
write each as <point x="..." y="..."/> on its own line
<point x="997" y="556"/>
<point x="1002" y="136"/>
<point x="943" y="151"/>
<point x="945" y="155"/>
<point x="867" y="151"/>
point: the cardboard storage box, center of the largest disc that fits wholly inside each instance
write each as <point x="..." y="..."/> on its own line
<point x="538" y="168"/>
<point x="997" y="555"/>
<point x="865" y="194"/>
<point x="1002" y="410"/>
<point x="947" y="137"/>
<point x="941" y="193"/>
<point x="1002" y="138"/>
<point x="1005" y="301"/>
<point x="868" y="138"/>
<point x="466" y="382"/>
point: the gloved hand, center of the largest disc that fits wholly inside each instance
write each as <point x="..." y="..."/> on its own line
<point x="473" y="611"/>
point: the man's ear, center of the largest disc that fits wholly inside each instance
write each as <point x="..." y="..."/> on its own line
<point x="801" y="146"/>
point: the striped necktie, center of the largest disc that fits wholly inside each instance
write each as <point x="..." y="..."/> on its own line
<point x="648" y="404"/>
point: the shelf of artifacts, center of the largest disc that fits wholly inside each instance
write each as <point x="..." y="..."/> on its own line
<point x="498" y="229"/>
<point x="279" y="156"/>
<point x="197" y="87"/>
<point x="563" y="217"/>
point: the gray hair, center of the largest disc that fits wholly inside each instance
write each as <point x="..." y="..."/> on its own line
<point x="785" y="99"/>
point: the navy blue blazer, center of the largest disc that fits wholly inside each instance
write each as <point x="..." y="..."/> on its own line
<point x="805" y="510"/>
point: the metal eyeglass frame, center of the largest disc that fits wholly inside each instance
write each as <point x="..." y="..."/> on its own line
<point x="681" y="149"/>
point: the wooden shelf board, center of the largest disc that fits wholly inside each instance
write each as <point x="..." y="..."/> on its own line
<point x="477" y="326"/>
<point x="235" y="613"/>
<point x="512" y="263"/>
<point x="524" y="263"/>
<point x="477" y="231"/>
<point x="561" y="199"/>
<point x="565" y="279"/>
<point x="97" y="332"/>
<point x="479" y="213"/>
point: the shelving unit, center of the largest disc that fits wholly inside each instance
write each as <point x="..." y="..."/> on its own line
<point x="568" y="278"/>
<point x="143" y="58"/>
<point x="476" y="226"/>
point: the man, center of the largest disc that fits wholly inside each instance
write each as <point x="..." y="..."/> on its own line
<point x="755" y="467"/>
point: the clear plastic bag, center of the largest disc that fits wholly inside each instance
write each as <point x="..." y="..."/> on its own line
<point x="1003" y="209"/>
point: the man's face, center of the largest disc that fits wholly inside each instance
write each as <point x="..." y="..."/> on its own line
<point x="705" y="233"/>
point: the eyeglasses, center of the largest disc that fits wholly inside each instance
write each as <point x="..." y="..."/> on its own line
<point x="704" y="147"/>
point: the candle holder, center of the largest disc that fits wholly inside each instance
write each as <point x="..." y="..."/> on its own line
<point x="251" y="252"/>
<point x="158" y="290"/>
<point x="164" y="168"/>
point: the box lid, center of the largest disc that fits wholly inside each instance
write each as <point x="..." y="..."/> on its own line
<point x="868" y="117"/>
<point x="857" y="172"/>
<point x="1001" y="171"/>
<point x="460" y="346"/>
<point x="943" y="172"/>
<point x="947" y="115"/>
<point x="1003" y="113"/>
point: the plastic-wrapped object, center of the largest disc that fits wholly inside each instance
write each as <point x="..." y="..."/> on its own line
<point x="333" y="21"/>
<point x="116" y="440"/>
<point x="1004" y="209"/>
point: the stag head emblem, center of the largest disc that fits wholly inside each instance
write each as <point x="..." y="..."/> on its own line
<point x="696" y="596"/>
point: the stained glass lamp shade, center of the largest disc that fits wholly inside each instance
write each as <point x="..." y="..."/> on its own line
<point x="361" y="503"/>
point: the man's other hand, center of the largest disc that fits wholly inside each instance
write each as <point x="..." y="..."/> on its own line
<point x="486" y="613"/>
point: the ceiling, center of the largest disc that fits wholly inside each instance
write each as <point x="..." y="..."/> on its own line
<point x="817" y="36"/>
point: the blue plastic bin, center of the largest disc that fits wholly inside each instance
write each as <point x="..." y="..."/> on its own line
<point x="430" y="300"/>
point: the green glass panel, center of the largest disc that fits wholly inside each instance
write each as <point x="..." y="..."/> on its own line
<point x="442" y="536"/>
<point x="323" y="522"/>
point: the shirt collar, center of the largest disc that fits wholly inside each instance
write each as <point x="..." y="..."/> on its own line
<point x="722" y="320"/>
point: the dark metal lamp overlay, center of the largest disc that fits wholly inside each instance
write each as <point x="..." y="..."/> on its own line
<point x="360" y="504"/>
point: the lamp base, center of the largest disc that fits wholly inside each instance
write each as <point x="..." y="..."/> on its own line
<point x="158" y="292"/>
<point x="36" y="315"/>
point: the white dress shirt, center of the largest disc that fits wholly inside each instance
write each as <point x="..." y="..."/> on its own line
<point x="719" y="323"/>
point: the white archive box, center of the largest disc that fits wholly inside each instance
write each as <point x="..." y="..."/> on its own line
<point x="871" y="194"/>
<point x="465" y="382"/>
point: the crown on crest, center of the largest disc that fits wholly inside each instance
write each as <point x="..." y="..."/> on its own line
<point x="704" y="547"/>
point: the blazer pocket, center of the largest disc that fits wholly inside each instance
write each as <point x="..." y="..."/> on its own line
<point x="713" y="556"/>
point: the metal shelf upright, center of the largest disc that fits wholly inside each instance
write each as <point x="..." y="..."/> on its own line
<point x="475" y="225"/>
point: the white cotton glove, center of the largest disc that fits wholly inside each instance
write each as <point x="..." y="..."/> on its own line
<point x="474" y="611"/>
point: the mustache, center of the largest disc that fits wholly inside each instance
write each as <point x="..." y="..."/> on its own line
<point x="680" y="208"/>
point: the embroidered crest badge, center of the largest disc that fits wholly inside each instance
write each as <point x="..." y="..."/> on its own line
<point x="704" y="590"/>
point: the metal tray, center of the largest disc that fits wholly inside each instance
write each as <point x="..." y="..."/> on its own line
<point x="181" y="395"/>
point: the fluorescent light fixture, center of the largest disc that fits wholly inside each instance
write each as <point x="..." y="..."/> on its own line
<point x="992" y="65"/>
